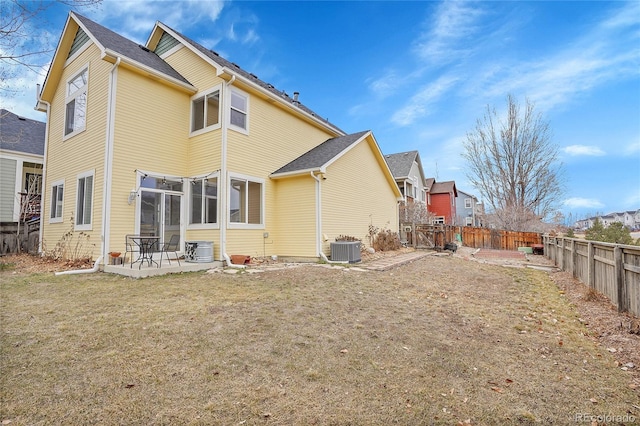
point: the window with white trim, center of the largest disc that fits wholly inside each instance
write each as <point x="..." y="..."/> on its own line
<point x="239" y="110"/>
<point x="468" y="221"/>
<point x="204" y="201"/>
<point x="467" y="203"/>
<point x="438" y="220"/>
<point x="57" y="198"/>
<point x="75" y="118"/>
<point x="205" y="111"/>
<point x="246" y="201"/>
<point x="84" y="201"/>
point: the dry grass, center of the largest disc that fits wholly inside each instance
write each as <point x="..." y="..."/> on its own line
<point x="438" y="341"/>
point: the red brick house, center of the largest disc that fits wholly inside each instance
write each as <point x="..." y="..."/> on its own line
<point x="442" y="201"/>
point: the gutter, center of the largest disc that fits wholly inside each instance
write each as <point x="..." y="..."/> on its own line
<point x="137" y="65"/>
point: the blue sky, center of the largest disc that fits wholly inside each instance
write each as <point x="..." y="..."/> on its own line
<point x="419" y="74"/>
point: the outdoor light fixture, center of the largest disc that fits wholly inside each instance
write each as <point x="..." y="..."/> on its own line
<point x="132" y="196"/>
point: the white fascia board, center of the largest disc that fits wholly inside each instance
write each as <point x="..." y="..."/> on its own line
<point x="303" y="172"/>
<point x="128" y="61"/>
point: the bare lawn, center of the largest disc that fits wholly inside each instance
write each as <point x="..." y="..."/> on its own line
<point x="442" y="340"/>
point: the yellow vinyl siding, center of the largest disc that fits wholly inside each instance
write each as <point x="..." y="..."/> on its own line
<point x="294" y="230"/>
<point x="151" y="134"/>
<point x="192" y="67"/>
<point x="355" y="195"/>
<point x="67" y="158"/>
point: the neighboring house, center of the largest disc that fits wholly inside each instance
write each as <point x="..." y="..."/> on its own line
<point x="21" y="160"/>
<point x="467" y="209"/>
<point x="442" y="201"/>
<point x="630" y="219"/>
<point x="170" y="138"/>
<point x="409" y="175"/>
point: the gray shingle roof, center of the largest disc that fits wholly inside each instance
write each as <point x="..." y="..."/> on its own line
<point x="21" y="134"/>
<point x="127" y="48"/>
<point x="400" y="164"/>
<point x="215" y="57"/>
<point x="321" y="154"/>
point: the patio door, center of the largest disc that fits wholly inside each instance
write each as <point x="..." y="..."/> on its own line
<point x="160" y="208"/>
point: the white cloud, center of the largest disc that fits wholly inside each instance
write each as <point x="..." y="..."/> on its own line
<point x="577" y="202"/>
<point x="633" y="148"/>
<point x="584" y="150"/>
<point x="453" y="23"/>
<point x="419" y="103"/>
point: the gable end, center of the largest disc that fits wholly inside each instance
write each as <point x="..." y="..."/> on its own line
<point x="166" y="43"/>
<point x="80" y="39"/>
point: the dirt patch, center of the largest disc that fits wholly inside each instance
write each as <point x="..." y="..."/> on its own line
<point x="30" y="264"/>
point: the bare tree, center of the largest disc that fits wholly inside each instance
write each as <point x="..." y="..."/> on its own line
<point x="514" y="164"/>
<point x="21" y="44"/>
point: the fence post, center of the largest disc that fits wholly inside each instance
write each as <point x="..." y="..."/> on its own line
<point x="618" y="259"/>
<point x="572" y="258"/>
<point x="591" y="266"/>
<point x="561" y="257"/>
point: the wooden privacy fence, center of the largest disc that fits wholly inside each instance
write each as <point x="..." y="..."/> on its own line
<point x="27" y="239"/>
<point x="498" y="239"/>
<point x="611" y="269"/>
<point x="436" y="236"/>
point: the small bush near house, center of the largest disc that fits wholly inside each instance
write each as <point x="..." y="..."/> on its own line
<point x="347" y="238"/>
<point x="386" y="240"/>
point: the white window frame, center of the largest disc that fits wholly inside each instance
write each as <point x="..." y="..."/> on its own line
<point x="72" y="96"/>
<point x="245" y="224"/>
<point x="467" y="203"/>
<point x="468" y="221"/>
<point x="57" y="201"/>
<point x="439" y="220"/>
<point x="203" y="95"/>
<point x="85" y="225"/>
<point x="244" y="95"/>
<point x="204" y="225"/>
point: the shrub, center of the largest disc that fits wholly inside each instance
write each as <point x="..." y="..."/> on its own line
<point x="386" y="240"/>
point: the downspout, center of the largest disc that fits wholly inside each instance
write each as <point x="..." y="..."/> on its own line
<point x="96" y="268"/>
<point x="108" y="158"/>
<point x="321" y="255"/>
<point x="44" y="175"/>
<point x="223" y="175"/>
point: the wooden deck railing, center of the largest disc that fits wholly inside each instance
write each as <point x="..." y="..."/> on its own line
<point x="611" y="269"/>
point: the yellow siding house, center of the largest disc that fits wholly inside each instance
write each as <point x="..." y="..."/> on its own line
<point x="170" y="139"/>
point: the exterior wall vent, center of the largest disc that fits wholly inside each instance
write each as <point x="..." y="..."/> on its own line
<point x="345" y="251"/>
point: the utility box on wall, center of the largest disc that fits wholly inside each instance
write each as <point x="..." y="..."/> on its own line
<point x="345" y="251"/>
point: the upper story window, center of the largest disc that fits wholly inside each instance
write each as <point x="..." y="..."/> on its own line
<point x="239" y="110"/>
<point x="57" y="198"/>
<point x="75" y="118"/>
<point x="205" y="111"/>
<point x="204" y="201"/>
<point x="84" y="201"/>
<point x="467" y="203"/>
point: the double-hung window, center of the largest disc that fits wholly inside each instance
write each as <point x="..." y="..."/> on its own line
<point x="75" y="118"/>
<point x="246" y="201"/>
<point x="205" y="111"/>
<point x="239" y="110"/>
<point x="57" y="197"/>
<point x="467" y="203"/>
<point x="84" y="201"/>
<point x="204" y="201"/>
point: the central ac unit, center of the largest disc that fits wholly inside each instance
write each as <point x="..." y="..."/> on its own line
<point x="345" y="251"/>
